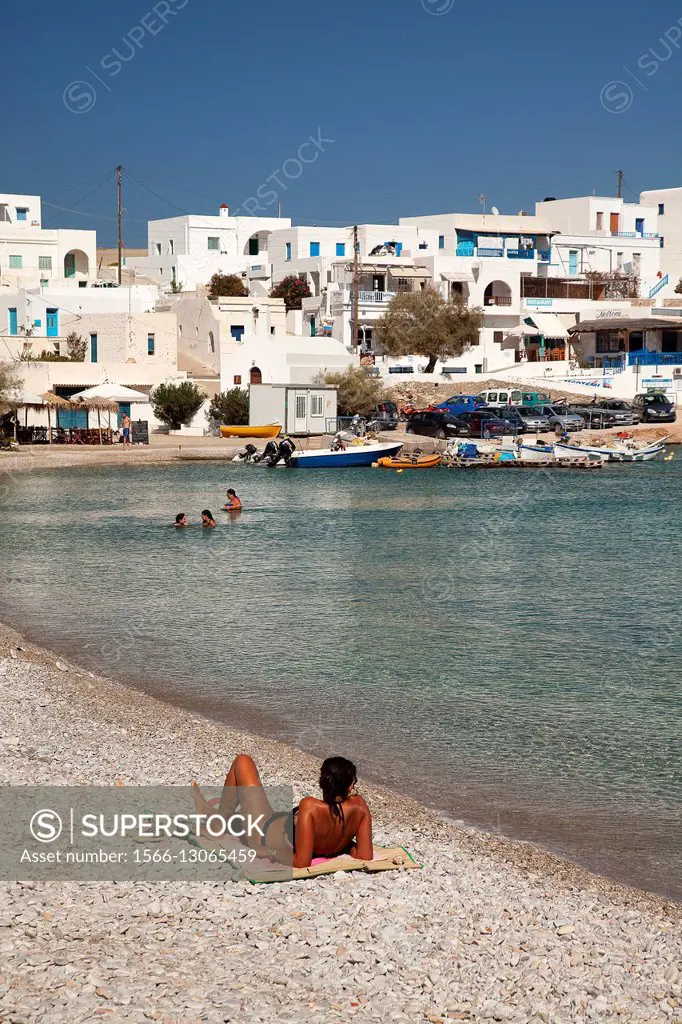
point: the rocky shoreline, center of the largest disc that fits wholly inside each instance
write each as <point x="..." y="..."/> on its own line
<point x="490" y="929"/>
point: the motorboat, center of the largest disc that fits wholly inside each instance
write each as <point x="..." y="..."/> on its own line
<point x="348" y="455"/>
<point x="616" y="451"/>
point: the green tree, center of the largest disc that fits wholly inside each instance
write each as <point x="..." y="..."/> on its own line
<point x="293" y="290"/>
<point x="226" y="284"/>
<point x="76" y="347"/>
<point x="424" y="323"/>
<point x="357" y="392"/>
<point x="229" y="407"/>
<point x="177" y="404"/>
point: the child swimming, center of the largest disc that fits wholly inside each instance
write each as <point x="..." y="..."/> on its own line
<point x="181" y="519"/>
<point x="207" y="518"/>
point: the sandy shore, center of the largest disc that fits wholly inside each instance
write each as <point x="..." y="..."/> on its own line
<point x="490" y="929"/>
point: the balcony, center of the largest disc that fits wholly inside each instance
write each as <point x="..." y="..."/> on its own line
<point x="490" y="252"/>
<point x="635" y="234"/>
<point x="645" y="358"/>
<point x="373" y="297"/>
<point x="465" y="249"/>
<point x="520" y="254"/>
<point x="497" y="300"/>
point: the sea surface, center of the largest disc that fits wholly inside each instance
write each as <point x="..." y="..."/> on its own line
<point x="503" y="646"/>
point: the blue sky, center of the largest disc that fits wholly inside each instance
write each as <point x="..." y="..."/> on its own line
<point x="428" y="102"/>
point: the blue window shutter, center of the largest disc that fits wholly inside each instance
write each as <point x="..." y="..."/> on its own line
<point x="13" y="321"/>
<point x="93" y="348"/>
<point x="441" y="241"/>
<point x="314" y="248"/>
<point x="21" y="212"/>
<point x="340" y="248"/>
<point x="288" y="250"/>
<point x="398" y="248"/>
<point x="150" y="344"/>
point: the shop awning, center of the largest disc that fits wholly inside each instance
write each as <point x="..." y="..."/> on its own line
<point x="625" y="323"/>
<point x="409" y="272"/>
<point x="549" y="325"/>
<point x="457" y="275"/>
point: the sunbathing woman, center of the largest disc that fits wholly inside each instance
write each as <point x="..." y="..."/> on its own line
<point x="339" y="823"/>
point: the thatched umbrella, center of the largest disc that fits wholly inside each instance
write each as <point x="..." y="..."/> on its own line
<point x="23" y="400"/>
<point x="55" y="402"/>
<point x="99" y="404"/>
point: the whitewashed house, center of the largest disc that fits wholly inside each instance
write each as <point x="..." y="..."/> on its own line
<point x="668" y="205"/>
<point x="187" y="251"/>
<point x="32" y="256"/>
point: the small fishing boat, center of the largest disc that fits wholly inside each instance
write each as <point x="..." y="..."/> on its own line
<point x="404" y="461"/>
<point x="621" y="451"/>
<point x="539" y="452"/>
<point x="268" y="430"/>
<point x="351" y="455"/>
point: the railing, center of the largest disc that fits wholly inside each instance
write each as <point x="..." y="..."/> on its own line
<point x="644" y="358"/>
<point x="374" y="296"/>
<point x="497" y="300"/>
<point x="465" y="249"/>
<point x="635" y="234"/>
<point x="490" y="252"/>
<point x="544" y="255"/>
<point x="521" y="254"/>
<point x="616" y="363"/>
<point x="657" y="287"/>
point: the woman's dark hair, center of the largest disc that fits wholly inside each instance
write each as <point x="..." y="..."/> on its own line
<point x="207" y="512"/>
<point x="231" y="490"/>
<point x="337" y="777"/>
<point x="180" y="516"/>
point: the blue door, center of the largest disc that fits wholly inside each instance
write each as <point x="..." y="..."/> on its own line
<point x="573" y="262"/>
<point x="75" y="419"/>
<point x="639" y="226"/>
<point x="123" y="410"/>
<point x="13" y="323"/>
<point x="52" y="323"/>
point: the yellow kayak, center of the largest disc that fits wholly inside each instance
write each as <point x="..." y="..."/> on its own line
<point x="269" y="430"/>
<point x="410" y="462"/>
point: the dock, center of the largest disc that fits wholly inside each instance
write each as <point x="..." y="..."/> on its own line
<point x="479" y="463"/>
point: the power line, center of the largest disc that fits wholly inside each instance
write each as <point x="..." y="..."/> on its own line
<point x="72" y="209"/>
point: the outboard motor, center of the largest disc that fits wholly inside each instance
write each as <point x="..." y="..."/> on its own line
<point x="268" y="453"/>
<point x="247" y="453"/>
<point x="286" y="450"/>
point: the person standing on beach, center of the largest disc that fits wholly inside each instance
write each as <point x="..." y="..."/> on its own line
<point x="127" y="428"/>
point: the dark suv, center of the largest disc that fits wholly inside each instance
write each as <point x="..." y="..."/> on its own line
<point x="485" y="424"/>
<point x="595" y="416"/>
<point x="654" y="409"/>
<point x="436" y="424"/>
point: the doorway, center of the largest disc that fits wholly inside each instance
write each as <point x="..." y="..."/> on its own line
<point x="255" y="376"/>
<point x="300" y="413"/>
<point x="52" y="323"/>
<point x="615" y="223"/>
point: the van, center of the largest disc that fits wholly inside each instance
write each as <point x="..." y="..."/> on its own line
<point x="498" y="398"/>
<point x="535" y="399"/>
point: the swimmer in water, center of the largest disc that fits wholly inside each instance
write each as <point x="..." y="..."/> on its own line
<point x="207" y="518"/>
<point x="181" y="519"/>
<point x="233" y="503"/>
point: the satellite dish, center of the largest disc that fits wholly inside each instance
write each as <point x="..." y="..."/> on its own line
<point x="493" y="209"/>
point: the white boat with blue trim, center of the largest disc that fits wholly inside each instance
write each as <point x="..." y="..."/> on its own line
<point x="618" y="451"/>
<point x="350" y="455"/>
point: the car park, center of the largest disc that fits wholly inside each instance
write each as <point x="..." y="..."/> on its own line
<point x="436" y="423"/>
<point x="562" y="417"/>
<point x="525" y="421"/>
<point x="484" y="424"/>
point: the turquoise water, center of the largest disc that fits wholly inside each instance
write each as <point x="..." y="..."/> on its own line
<point x="503" y="646"/>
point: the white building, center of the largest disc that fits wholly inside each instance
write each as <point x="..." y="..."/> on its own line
<point x="187" y="251"/>
<point x="31" y="256"/>
<point x="668" y="204"/>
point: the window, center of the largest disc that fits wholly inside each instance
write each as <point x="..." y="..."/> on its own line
<point x="237" y="379"/>
<point x="22" y="212"/>
<point x="254" y="246"/>
<point x="600" y="221"/>
<point x="340" y="248"/>
<point x="44" y="282"/>
<point x="179" y="330"/>
<point x="317" y="405"/>
<point x="314" y="248"/>
<point x="272" y="330"/>
<point x="661" y="209"/>
<point x="150" y="344"/>
<point x="237" y="331"/>
<point x="288" y="251"/>
<point x="16" y="262"/>
<point x="619" y="260"/>
<point x="661" y="242"/>
<point x="93" y="348"/>
<point x="157" y="248"/>
<point x="441" y="241"/>
<point x="82" y="284"/>
<point x="45" y="263"/>
<point x="213" y="242"/>
<point x="300" y="407"/>
<point x="498" y="337"/>
<point x="211" y="342"/>
<point x="171" y="247"/>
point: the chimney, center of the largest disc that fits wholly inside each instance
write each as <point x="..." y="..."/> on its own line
<point x="224" y="210"/>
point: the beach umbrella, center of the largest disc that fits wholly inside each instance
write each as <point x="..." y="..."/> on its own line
<point x="55" y="402"/>
<point x="99" y="404"/>
<point x="112" y="393"/>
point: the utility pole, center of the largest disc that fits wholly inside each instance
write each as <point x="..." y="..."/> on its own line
<point x="620" y="184"/>
<point x="119" y="172"/>
<point x="356" y="291"/>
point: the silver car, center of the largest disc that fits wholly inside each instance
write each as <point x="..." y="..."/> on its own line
<point x="560" y="418"/>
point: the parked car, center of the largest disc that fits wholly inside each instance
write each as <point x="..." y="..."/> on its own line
<point x="535" y="399"/>
<point x="562" y="417"/>
<point x="594" y="415"/>
<point x="436" y="423"/>
<point x="460" y="403"/>
<point x="526" y="421"/>
<point x="624" y="413"/>
<point x="497" y="399"/>
<point x="654" y="409"/>
<point x="484" y="424"/>
<point x="384" y="417"/>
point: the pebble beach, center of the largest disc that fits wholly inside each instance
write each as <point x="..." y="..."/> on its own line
<point x="488" y="930"/>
